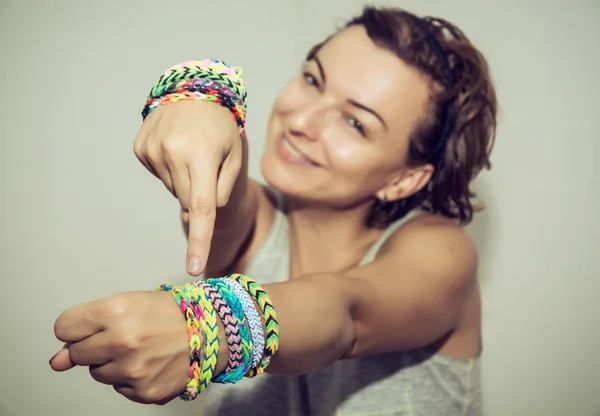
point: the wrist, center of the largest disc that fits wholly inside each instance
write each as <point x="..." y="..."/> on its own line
<point x="206" y="80"/>
<point x="236" y="320"/>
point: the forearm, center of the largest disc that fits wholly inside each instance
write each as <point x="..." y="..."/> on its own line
<point x="315" y="324"/>
<point x="315" y="321"/>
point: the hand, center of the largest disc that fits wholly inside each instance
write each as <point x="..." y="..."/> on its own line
<point x="195" y="149"/>
<point x="137" y="342"/>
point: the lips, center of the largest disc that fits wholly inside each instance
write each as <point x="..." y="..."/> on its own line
<point x="290" y="148"/>
<point x="292" y="154"/>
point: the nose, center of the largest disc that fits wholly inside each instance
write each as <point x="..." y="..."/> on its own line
<point x="307" y="121"/>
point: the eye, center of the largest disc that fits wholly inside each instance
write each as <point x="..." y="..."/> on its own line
<point x="357" y="125"/>
<point x="310" y="79"/>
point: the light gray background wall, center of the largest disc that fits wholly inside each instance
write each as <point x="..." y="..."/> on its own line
<point x="81" y="218"/>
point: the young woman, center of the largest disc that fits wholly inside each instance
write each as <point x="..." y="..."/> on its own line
<point x="357" y="239"/>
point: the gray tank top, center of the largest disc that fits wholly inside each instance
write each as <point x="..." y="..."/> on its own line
<point x="410" y="383"/>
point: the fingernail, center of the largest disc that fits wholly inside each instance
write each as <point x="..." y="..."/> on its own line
<point x="194" y="265"/>
<point x="50" y="362"/>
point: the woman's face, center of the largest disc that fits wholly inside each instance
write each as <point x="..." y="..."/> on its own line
<point x="339" y="131"/>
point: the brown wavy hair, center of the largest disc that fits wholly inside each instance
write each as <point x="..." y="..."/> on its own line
<point x="470" y="104"/>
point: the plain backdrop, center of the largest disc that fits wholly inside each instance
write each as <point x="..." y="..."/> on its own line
<point x="80" y="218"/>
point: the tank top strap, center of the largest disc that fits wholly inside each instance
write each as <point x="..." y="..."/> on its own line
<point x="385" y="236"/>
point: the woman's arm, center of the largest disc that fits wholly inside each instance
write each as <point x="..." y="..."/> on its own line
<point x="409" y="297"/>
<point x="412" y="295"/>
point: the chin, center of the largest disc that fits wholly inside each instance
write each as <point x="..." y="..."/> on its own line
<point x="276" y="175"/>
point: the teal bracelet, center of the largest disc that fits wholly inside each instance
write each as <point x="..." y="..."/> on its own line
<point x="247" y="347"/>
<point x="254" y="320"/>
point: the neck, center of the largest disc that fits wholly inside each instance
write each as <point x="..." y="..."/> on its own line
<point x="327" y="238"/>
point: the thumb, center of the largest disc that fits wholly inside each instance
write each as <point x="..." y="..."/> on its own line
<point x="61" y="360"/>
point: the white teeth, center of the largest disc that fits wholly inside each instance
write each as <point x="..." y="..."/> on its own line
<point x="290" y="149"/>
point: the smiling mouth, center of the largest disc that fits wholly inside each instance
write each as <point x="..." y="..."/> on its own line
<point x="295" y="153"/>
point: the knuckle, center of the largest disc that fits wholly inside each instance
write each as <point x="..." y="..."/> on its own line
<point x="152" y="157"/>
<point x="150" y="394"/>
<point x="96" y="374"/>
<point x="174" y="145"/>
<point x="128" y="338"/>
<point x="135" y="371"/>
<point x="138" y="147"/>
<point x="59" y="329"/>
<point x="203" y="207"/>
<point x="116" y="306"/>
<point x="137" y="151"/>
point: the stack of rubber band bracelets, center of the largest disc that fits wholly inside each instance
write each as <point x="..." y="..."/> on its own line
<point x="250" y="323"/>
<point x="208" y="80"/>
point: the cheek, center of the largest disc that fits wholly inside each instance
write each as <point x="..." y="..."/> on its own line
<point x="288" y="99"/>
<point x="358" y="165"/>
<point x="345" y="154"/>
<point x="354" y="161"/>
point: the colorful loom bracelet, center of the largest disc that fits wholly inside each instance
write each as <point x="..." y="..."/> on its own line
<point x="269" y="316"/>
<point x="213" y="69"/>
<point x="254" y="321"/>
<point x="230" y="323"/>
<point x="202" y="84"/>
<point x="210" y="80"/>
<point x="211" y="339"/>
<point x="189" y="305"/>
<point x="247" y="347"/>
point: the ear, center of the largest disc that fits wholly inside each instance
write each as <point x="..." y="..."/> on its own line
<point x="406" y="183"/>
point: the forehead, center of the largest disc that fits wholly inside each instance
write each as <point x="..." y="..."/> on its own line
<point x="360" y="70"/>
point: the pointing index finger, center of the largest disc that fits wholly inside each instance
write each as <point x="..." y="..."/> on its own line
<point x="203" y="212"/>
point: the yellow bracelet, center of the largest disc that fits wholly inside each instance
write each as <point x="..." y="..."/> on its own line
<point x="210" y="330"/>
<point x="269" y="316"/>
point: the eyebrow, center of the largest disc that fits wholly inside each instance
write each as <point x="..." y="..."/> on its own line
<point x="350" y="101"/>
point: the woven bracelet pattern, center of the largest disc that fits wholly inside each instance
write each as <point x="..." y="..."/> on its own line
<point x="200" y="84"/>
<point x="254" y="321"/>
<point x="230" y="323"/>
<point x="232" y="299"/>
<point x="205" y="94"/>
<point x="247" y="347"/>
<point x="211" y="340"/>
<point x="212" y="69"/>
<point x="210" y="80"/>
<point x="270" y="317"/>
<point x="189" y="305"/>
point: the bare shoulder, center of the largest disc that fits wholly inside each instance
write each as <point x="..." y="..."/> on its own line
<point x="425" y="278"/>
<point x="448" y="258"/>
<point x="439" y="244"/>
